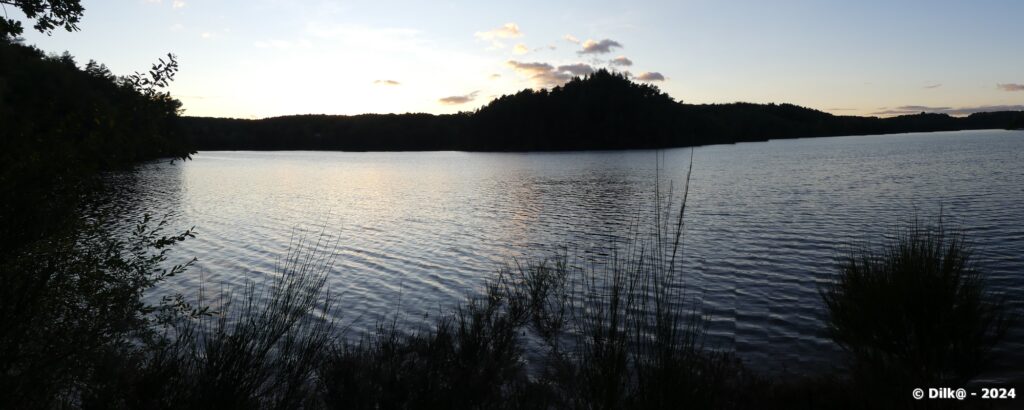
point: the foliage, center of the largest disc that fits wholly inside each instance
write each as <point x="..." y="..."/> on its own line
<point x="594" y="112"/>
<point x="61" y="124"/>
<point x="73" y="301"/>
<point x="471" y="359"/>
<point x="1018" y="122"/>
<point x="72" y="314"/>
<point x="914" y="312"/>
<point x="257" y="351"/>
<point x="49" y="14"/>
<point x="604" y="110"/>
<point x="159" y="76"/>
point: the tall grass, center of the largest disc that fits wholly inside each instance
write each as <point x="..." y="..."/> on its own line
<point x="914" y="311"/>
<point x="259" y="350"/>
<point x="618" y="332"/>
<point x="471" y="358"/>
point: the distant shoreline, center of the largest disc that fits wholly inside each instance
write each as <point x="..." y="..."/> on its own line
<point x="602" y="111"/>
<point x="597" y="149"/>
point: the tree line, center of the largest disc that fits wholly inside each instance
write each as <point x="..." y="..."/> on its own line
<point x="60" y="123"/>
<point x="604" y="110"/>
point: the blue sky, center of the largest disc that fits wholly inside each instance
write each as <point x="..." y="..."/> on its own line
<point x="261" y="58"/>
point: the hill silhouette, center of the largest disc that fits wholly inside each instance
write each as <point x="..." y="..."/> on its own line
<point x="60" y="123"/>
<point x="604" y="110"/>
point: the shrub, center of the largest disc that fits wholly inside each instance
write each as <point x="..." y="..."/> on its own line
<point x="257" y="351"/>
<point x="72" y="303"/>
<point x="915" y="311"/>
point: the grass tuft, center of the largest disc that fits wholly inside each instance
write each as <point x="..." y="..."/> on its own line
<point x="914" y="311"/>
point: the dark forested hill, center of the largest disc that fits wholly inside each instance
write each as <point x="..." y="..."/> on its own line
<point x="601" y="111"/>
<point x="60" y="123"/>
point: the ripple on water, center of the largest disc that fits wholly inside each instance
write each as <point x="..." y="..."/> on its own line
<point x="763" y="223"/>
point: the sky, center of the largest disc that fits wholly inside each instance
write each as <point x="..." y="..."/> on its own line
<point x="264" y="58"/>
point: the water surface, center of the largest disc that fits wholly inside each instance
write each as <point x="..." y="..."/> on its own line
<point x="418" y="231"/>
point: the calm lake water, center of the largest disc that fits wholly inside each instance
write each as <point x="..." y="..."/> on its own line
<point x="418" y="231"/>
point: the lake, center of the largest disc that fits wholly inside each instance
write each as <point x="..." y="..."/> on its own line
<point x="418" y="231"/>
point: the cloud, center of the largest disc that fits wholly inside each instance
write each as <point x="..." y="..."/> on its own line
<point x="459" y="99"/>
<point x="571" y="38"/>
<point x="495" y="76"/>
<point x="509" y="30"/>
<point x="520" y="49"/>
<point x="599" y="47"/>
<point x="283" y="44"/>
<point x="579" y="69"/>
<point x="206" y="35"/>
<point x="175" y="4"/>
<point x="386" y="82"/>
<point x="650" y="76"/>
<point x="545" y="75"/>
<point x="935" y="85"/>
<point x="530" y="68"/>
<point x="915" y="109"/>
<point x="1010" y="87"/>
<point x="541" y="74"/>
<point x="621" y="61"/>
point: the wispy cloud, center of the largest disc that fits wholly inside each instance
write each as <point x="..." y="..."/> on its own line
<point x="599" y="47"/>
<point x="1010" y="87"/>
<point x="909" y="109"/>
<point x="651" y="76"/>
<point x="509" y="30"/>
<point x="520" y="49"/>
<point x="933" y="85"/>
<point x="381" y="40"/>
<point x="283" y="44"/>
<point x="578" y="69"/>
<point x="621" y="61"/>
<point x="386" y="82"/>
<point x="571" y="38"/>
<point x="459" y="99"/>
<point x="495" y="76"/>
<point x="546" y="75"/>
<point x="915" y="109"/>
<point x="541" y="74"/>
<point x="175" y="4"/>
<point x="530" y="68"/>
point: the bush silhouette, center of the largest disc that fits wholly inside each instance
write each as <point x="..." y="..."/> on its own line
<point x="915" y="312"/>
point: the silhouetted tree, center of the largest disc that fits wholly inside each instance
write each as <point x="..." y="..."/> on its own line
<point x="72" y="316"/>
<point x="604" y="110"/>
<point x="48" y="14"/>
<point x="60" y="124"/>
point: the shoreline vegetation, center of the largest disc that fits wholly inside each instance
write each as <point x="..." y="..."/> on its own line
<point x="552" y="333"/>
<point x="76" y="330"/>
<point x="593" y="112"/>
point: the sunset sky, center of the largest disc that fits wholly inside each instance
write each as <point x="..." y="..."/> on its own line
<point x="260" y="58"/>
